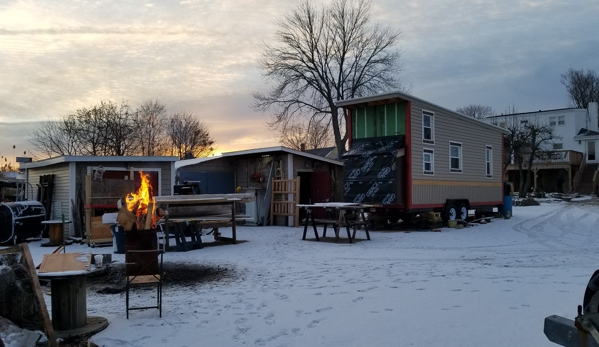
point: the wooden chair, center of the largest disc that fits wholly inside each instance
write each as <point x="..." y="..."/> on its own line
<point x="144" y="268"/>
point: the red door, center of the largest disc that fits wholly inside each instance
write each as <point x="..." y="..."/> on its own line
<point x="320" y="190"/>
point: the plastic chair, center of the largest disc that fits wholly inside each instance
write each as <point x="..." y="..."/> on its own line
<point x="144" y="268"/>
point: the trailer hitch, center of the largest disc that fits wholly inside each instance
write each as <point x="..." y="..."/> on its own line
<point x="583" y="330"/>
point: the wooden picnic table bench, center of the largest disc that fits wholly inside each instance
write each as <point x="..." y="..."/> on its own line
<point x="350" y="216"/>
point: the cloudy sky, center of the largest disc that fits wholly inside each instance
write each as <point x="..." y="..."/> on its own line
<point x="200" y="56"/>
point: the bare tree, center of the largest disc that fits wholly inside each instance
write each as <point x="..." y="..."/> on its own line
<point x="103" y="129"/>
<point x="315" y="134"/>
<point x="582" y="87"/>
<point x="150" y="124"/>
<point x="476" y="111"/>
<point x="189" y="137"/>
<point x="121" y="133"/>
<point x="536" y="136"/>
<point x="56" y="138"/>
<point x="322" y="56"/>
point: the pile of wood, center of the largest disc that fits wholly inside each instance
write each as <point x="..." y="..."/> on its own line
<point x="139" y="221"/>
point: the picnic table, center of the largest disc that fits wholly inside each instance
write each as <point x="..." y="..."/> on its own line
<point x="339" y="215"/>
<point x="231" y="200"/>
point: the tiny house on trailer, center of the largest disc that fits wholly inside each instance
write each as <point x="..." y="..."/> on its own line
<point x="408" y="156"/>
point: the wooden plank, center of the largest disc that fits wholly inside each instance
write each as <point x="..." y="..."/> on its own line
<point x="58" y="262"/>
<point x="148" y="223"/>
<point x="99" y="230"/>
<point x="37" y="300"/>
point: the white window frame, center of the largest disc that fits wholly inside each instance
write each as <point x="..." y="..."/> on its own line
<point x="459" y="157"/>
<point x="430" y="114"/>
<point x="561" y="120"/>
<point x="557" y="146"/>
<point x="489" y="161"/>
<point x="553" y="121"/>
<point x="426" y="151"/>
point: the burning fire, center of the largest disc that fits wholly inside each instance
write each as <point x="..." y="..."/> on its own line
<point x="139" y="202"/>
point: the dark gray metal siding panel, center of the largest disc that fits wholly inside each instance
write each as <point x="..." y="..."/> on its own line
<point x="473" y="137"/>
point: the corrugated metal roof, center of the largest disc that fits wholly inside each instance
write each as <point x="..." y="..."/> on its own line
<point x="91" y="158"/>
<point x="266" y="150"/>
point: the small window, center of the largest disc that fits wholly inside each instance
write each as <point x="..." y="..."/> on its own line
<point x="524" y="121"/>
<point x="428" y="127"/>
<point x="428" y="160"/>
<point x="489" y="161"/>
<point x="502" y="125"/>
<point x="558" y="146"/>
<point x="455" y="157"/>
<point x="552" y="121"/>
<point x="561" y="120"/>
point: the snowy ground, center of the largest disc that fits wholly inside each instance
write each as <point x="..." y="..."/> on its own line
<point x="488" y="285"/>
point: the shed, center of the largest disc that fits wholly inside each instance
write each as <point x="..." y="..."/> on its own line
<point x="67" y="174"/>
<point x="253" y="169"/>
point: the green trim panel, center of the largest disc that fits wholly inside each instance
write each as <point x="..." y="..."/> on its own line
<point x="379" y="120"/>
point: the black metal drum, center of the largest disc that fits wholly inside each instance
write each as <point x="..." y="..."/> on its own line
<point x="21" y="220"/>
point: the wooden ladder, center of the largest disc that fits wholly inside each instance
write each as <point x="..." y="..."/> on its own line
<point x="284" y="199"/>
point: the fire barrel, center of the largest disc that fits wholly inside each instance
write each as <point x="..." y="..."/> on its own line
<point x="142" y="240"/>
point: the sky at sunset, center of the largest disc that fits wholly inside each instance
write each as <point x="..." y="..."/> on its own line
<point x="200" y="57"/>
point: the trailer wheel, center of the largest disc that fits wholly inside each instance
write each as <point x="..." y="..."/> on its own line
<point x="463" y="211"/>
<point x="451" y="211"/>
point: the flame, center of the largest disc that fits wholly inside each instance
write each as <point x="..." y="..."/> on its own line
<point x="138" y="202"/>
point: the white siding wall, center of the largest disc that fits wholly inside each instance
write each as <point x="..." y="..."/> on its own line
<point x="61" y="195"/>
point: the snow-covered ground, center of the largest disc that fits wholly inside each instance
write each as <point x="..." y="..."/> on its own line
<point x="487" y="285"/>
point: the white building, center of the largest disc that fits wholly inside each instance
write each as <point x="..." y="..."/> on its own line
<point x="568" y="124"/>
<point x="577" y="136"/>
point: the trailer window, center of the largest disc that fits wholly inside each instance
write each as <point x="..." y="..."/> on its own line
<point x="455" y="157"/>
<point x="428" y="160"/>
<point x="428" y="127"/>
<point x="489" y="161"/>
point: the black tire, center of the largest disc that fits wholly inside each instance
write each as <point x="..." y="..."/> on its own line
<point x="462" y="211"/>
<point x="451" y="212"/>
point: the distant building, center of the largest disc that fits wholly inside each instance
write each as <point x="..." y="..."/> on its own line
<point x="574" y="149"/>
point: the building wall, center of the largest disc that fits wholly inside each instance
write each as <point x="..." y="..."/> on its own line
<point x="60" y="198"/>
<point x="472" y="183"/>
<point x="165" y="171"/>
<point x="574" y="120"/>
<point x="61" y="202"/>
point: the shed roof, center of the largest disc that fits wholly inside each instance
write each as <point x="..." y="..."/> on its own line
<point x="263" y="151"/>
<point x="400" y="96"/>
<point x="95" y="159"/>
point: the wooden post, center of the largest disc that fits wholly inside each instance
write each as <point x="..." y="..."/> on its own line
<point x="88" y="208"/>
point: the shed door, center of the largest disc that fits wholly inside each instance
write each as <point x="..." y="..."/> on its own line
<point x="320" y="187"/>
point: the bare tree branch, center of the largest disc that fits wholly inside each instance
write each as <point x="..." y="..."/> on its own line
<point x="582" y="87"/>
<point x="189" y="137"/>
<point x="476" y="111"/>
<point x="325" y="55"/>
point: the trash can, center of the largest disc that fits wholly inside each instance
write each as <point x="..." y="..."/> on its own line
<point x="118" y="238"/>
<point x="507" y="201"/>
